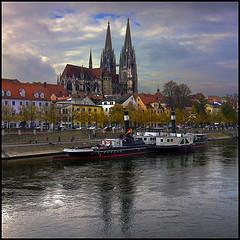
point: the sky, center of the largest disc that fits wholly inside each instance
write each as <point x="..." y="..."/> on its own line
<point x="195" y="43"/>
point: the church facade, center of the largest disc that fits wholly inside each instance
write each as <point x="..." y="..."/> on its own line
<point x="104" y="80"/>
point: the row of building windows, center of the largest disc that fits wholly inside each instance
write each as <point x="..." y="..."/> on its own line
<point x="26" y="103"/>
<point x="106" y="103"/>
<point x="65" y="111"/>
<point x="89" y="109"/>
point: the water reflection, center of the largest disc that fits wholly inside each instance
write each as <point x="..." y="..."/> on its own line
<point x="126" y="195"/>
<point x="150" y="196"/>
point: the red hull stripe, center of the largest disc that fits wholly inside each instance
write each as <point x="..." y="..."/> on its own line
<point x="99" y="156"/>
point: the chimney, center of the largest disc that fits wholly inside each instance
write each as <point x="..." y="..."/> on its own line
<point x="173" y="120"/>
<point x="126" y="121"/>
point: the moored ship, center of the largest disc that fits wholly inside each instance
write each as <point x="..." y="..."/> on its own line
<point x="125" y="146"/>
<point x="172" y="142"/>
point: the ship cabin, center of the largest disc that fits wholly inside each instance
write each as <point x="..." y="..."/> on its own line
<point x="147" y="137"/>
<point x="173" y="139"/>
<point x="112" y="142"/>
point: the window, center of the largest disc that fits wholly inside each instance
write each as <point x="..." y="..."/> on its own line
<point x="40" y="104"/>
<point x="26" y="103"/>
<point x="168" y="140"/>
<point x="46" y="104"/>
<point x="78" y="109"/>
<point x="106" y="109"/>
<point x="13" y="103"/>
<point x="105" y="103"/>
<point x="36" y="95"/>
<point x="171" y="140"/>
<point x="161" y="140"/>
<point x="6" y="102"/>
<point x="95" y="109"/>
<point x="89" y="110"/>
<point x="22" y="92"/>
<point x="83" y="109"/>
<point x="8" y="93"/>
<point x="20" y="103"/>
<point x="33" y="103"/>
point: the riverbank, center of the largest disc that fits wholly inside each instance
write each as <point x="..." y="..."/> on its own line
<point x="39" y="150"/>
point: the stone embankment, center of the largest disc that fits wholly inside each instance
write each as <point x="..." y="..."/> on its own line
<point x="39" y="145"/>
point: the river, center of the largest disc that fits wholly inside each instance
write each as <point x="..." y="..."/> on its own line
<point x="170" y="195"/>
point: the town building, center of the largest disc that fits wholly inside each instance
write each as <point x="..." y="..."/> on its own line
<point x="19" y="98"/>
<point x="78" y="111"/>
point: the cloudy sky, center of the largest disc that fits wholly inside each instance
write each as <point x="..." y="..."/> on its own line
<point x="191" y="43"/>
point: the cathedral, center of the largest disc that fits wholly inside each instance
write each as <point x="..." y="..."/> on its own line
<point x="104" y="80"/>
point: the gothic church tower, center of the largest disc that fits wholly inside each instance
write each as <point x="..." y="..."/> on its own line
<point x="108" y="60"/>
<point x="127" y="66"/>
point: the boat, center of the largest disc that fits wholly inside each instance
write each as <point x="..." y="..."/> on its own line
<point x="110" y="148"/>
<point x="125" y="146"/>
<point x="172" y="141"/>
<point x="169" y="142"/>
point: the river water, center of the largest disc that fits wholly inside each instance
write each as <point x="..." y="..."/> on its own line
<point x="187" y="195"/>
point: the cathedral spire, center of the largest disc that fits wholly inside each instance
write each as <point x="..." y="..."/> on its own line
<point x="108" y="61"/>
<point x="127" y="65"/>
<point x="90" y="60"/>
<point x="108" y="42"/>
<point x="128" y="42"/>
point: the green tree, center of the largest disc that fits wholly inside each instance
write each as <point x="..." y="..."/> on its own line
<point x="7" y="114"/>
<point x="116" y="114"/>
<point x="229" y="113"/>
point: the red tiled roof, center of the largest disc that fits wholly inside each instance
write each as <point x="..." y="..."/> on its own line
<point x="14" y="86"/>
<point x="149" y="98"/>
<point x="212" y="99"/>
<point x="71" y="70"/>
<point x="95" y="73"/>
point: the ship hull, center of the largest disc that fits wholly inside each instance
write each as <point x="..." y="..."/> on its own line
<point x="181" y="148"/>
<point x="111" y="153"/>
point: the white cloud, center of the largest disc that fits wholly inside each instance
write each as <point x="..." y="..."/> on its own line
<point x="178" y="40"/>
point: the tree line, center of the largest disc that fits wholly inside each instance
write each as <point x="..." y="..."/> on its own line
<point x="177" y="98"/>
